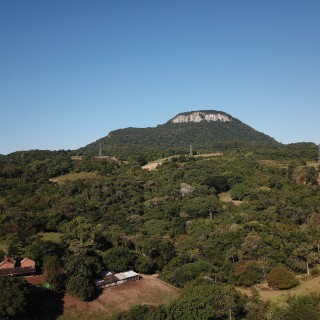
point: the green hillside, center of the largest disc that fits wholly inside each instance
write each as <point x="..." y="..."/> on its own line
<point x="205" y="225"/>
<point x="174" y="138"/>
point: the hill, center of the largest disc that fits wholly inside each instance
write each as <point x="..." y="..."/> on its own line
<point x="206" y="130"/>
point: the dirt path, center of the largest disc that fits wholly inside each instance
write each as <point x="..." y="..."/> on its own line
<point x="153" y="165"/>
<point x="205" y="155"/>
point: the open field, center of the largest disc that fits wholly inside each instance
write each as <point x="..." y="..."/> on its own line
<point x="148" y="290"/>
<point x="75" y="176"/>
<point x="313" y="164"/>
<point x="226" y="197"/>
<point x="3" y="246"/>
<point x="51" y="236"/>
<point x="308" y="285"/>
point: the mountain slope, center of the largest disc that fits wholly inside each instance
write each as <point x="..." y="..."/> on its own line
<point x="206" y="130"/>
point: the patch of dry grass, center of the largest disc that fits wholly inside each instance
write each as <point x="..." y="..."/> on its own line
<point x="3" y="246"/>
<point x="309" y="285"/>
<point x="51" y="236"/>
<point x="312" y="164"/>
<point x="225" y="197"/>
<point x="75" y="176"/>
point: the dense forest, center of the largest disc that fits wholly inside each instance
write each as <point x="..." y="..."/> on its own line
<point x="207" y="225"/>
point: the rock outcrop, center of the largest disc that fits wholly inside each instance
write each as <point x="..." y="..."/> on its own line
<point x="199" y="116"/>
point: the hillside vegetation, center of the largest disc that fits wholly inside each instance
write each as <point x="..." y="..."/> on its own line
<point x="175" y="138"/>
<point x="179" y="220"/>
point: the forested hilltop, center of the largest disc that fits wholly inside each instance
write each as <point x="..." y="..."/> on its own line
<point x="205" y="225"/>
<point x="207" y="130"/>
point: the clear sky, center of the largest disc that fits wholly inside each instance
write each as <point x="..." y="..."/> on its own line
<point x="73" y="70"/>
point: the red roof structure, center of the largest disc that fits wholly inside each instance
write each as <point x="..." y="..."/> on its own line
<point x="26" y="262"/>
<point x="7" y="263"/>
<point x="35" y="280"/>
<point x="10" y="267"/>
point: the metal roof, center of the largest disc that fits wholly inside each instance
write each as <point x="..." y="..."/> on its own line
<point x="126" y="275"/>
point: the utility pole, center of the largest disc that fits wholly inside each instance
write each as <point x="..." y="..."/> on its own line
<point x="100" y="150"/>
<point x="191" y="151"/>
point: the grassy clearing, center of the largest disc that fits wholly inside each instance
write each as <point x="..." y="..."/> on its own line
<point x="2" y="201"/>
<point x="225" y="197"/>
<point x="307" y="286"/>
<point x="75" y="176"/>
<point x="313" y="164"/>
<point x="51" y="236"/>
<point x="3" y="246"/>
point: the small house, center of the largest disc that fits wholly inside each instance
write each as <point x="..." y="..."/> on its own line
<point x="109" y="279"/>
<point x="28" y="263"/>
<point x="7" y="266"/>
<point x="127" y="276"/>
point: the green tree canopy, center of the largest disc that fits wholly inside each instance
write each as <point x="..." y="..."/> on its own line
<point x="13" y="297"/>
<point x="81" y="287"/>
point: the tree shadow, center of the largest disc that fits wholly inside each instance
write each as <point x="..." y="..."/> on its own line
<point x="44" y="304"/>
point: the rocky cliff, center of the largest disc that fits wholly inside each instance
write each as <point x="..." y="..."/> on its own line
<point x="200" y="116"/>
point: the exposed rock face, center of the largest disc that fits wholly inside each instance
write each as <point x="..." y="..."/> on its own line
<point x="199" y="116"/>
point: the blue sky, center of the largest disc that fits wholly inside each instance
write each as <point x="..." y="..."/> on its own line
<point x="71" y="71"/>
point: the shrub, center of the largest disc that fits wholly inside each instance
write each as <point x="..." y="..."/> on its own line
<point x="247" y="273"/>
<point x="315" y="271"/>
<point x="282" y="278"/>
<point x="145" y="265"/>
<point x="81" y="288"/>
<point x="180" y="275"/>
